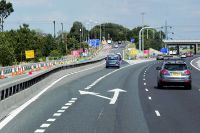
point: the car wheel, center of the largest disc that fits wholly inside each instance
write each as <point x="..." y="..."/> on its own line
<point x="188" y="87"/>
<point x="159" y="86"/>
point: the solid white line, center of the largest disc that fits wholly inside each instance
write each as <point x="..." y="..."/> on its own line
<point x="74" y="99"/>
<point x="15" y="112"/>
<point x="51" y="120"/>
<point x="149" y="98"/>
<point x="157" y="113"/>
<point x="71" y="101"/>
<point x="193" y="64"/>
<point x="68" y="104"/>
<point x="146" y="90"/>
<point x="45" y="125"/>
<point x="61" y="111"/>
<point x="57" y="114"/>
<point x="65" y="107"/>
<point x="40" y="131"/>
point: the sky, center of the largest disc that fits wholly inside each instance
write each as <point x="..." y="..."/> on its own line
<point x="182" y="15"/>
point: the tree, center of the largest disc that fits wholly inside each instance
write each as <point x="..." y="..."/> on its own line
<point x="5" y="10"/>
<point x="75" y="31"/>
<point x="6" y="51"/>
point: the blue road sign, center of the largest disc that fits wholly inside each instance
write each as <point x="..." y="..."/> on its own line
<point x="132" y="40"/>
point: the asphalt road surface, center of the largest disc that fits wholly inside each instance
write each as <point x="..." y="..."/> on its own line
<point x="86" y="103"/>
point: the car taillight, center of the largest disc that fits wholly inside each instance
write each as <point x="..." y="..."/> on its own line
<point x="164" y="72"/>
<point x="187" y="72"/>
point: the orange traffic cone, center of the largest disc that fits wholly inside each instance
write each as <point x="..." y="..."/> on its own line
<point x="32" y="68"/>
<point x="13" y="71"/>
<point x="45" y="67"/>
<point x="23" y="70"/>
<point x="2" y="74"/>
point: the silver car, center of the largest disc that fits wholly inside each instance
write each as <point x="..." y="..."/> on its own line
<point x="174" y="73"/>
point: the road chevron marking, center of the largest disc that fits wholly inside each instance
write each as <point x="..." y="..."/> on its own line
<point x="112" y="100"/>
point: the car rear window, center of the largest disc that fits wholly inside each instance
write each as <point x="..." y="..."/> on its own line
<point x="112" y="57"/>
<point x="175" y="67"/>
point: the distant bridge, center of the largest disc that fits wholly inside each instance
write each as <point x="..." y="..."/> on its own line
<point x="194" y="45"/>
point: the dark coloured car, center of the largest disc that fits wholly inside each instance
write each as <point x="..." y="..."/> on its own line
<point x="113" y="60"/>
<point x="174" y="73"/>
<point x="160" y="57"/>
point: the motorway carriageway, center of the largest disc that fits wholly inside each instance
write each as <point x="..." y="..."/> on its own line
<point x="101" y="100"/>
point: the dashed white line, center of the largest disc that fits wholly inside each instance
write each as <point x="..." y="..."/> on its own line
<point x="40" y="131"/>
<point x="61" y="111"/>
<point x="146" y="89"/>
<point x="57" y="114"/>
<point x="150" y="98"/>
<point x="157" y="113"/>
<point x="15" y="112"/>
<point x="145" y="83"/>
<point x="71" y="101"/>
<point x="74" y="99"/>
<point x="51" y="120"/>
<point x="45" y="125"/>
<point x="68" y="104"/>
<point x="65" y="107"/>
<point x="144" y="79"/>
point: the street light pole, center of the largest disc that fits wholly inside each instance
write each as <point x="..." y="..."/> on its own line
<point x="54" y="27"/>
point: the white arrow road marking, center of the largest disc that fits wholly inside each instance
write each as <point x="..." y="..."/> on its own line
<point x="116" y="94"/>
<point x="112" y="100"/>
<point x="93" y="93"/>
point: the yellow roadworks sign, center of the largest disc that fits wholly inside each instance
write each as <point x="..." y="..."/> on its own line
<point x="30" y="54"/>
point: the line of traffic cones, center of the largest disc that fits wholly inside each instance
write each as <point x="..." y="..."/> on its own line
<point x="2" y="74"/>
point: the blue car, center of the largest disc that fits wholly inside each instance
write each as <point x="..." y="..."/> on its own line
<point x="113" y="60"/>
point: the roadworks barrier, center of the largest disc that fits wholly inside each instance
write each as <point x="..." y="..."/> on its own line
<point x="15" y="91"/>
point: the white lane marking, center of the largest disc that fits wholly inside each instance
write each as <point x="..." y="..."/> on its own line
<point x="149" y="98"/>
<point x="100" y="114"/>
<point x="71" y="101"/>
<point x="51" y="120"/>
<point x="65" y="107"/>
<point x="145" y="83"/>
<point x="144" y="79"/>
<point x="57" y="114"/>
<point x="87" y="88"/>
<point x="45" y="125"/>
<point x="40" y="131"/>
<point x="98" y="80"/>
<point x="144" y="75"/>
<point x="61" y="111"/>
<point x="198" y="89"/>
<point x="157" y="113"/>
<point x="146" y="89"/>
<point x="193" y="64"/>
<point x="116" y="94"/>
<point x="74" y="99"/>
<point x="15" y="112"/>
<point x="68" y="104"/>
